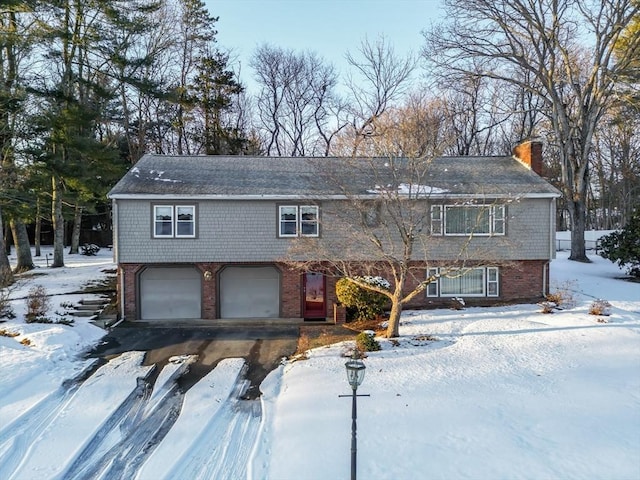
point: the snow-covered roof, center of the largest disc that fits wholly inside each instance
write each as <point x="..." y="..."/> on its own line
<point x="204" y="176"/>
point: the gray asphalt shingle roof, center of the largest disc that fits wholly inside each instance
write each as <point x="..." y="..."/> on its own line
<point x="192" y="176"/>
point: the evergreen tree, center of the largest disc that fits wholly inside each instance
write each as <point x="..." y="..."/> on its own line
<point x="214" y="91"/>
<point x="623" y="246"/>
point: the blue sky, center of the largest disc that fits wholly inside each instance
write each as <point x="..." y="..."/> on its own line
<point x="328" y="27"/>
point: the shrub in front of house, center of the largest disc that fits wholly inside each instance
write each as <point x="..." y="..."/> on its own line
<point x="563" y="296"/>
<point x="600" y="307"/>
<point x="37" y="305"/>
<point x="361" y="303"/>
<point x="366" y="342"/>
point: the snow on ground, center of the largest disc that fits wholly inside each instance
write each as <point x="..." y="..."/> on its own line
<point x="478" y="393"/>
<point x="503" y="393"/>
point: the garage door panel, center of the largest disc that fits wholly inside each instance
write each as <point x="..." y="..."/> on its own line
<point x="250" y="292"/>
<point x="170" y="293"/>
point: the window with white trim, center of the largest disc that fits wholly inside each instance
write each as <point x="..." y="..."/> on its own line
<point x="298" y="220"/>
<point x="473" y="282"/>
<point x="432" y="287"/>
<point x="436" y="219"/>
<point x="481" y="220"/>
<point x="174" y="221"/>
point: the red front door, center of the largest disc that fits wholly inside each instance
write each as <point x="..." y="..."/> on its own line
<point x="314" y="303"/>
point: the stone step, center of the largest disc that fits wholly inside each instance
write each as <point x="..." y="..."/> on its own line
<point x="96" y="301"/>
<point x="91" y="308"/>
<point x="84" y="313"/>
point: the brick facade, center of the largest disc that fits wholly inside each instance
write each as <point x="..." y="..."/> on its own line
<point x="519" y="282"/>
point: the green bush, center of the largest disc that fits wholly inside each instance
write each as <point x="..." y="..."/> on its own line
<point x="623" y="246"/>
<point x="362" y="304"/>
<point x="366" y="342"/>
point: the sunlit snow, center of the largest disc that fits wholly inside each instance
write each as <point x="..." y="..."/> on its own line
<point x="479" y="393"/>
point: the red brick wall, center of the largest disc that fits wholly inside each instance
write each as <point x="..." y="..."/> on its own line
<point x="128" y="273"/>
<point x="519" y="281"/>
<point x="291" y="293"/>
<point x="209" y="288"/>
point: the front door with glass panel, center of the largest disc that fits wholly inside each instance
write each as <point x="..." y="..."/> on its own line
<point x="314" y="296"/>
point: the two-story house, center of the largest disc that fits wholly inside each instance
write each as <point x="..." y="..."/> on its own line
<point x="206" y="237"/>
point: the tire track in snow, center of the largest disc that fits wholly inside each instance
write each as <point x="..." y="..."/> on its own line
<point x="122" y="445"/>
<point x="222" y="452"/>
<point x="229" y="460"/>
<point x="17" y="436"/>
<point x="55" y="442"/>
<point x="195" y="447"/>
<point x="90" y="460"/>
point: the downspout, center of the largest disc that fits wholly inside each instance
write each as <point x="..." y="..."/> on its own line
<point x="552" y="229"/>
<point x="546" y="271"/>
<point x="116" y="258"/>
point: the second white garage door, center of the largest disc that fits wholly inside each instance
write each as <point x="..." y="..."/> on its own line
<point x="249" y="292"/>
<point x="170" y="293"/>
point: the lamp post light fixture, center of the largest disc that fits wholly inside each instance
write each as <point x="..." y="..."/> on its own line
<point x="355" y="375"/>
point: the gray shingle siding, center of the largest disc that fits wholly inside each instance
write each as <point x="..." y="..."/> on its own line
<point x="246" y="231"/>
<point x="227" y="231"/>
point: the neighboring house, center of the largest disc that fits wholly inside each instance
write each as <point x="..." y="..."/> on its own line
<point x="205" y="237"/>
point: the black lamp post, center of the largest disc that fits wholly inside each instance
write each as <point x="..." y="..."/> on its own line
<point x="355" y="376"/>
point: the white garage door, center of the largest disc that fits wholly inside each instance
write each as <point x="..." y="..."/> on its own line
<point x="170" y="293"/>
<point x="249" y="292"/>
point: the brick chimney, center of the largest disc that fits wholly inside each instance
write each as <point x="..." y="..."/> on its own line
<point x="529" y="152"/>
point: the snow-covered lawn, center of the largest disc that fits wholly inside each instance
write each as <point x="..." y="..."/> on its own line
<point x="480" y="393"/>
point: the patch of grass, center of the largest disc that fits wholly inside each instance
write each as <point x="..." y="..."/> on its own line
<point x="26" y="342"/>
<point x="8" y="333"/>
<point x="362" y="325"/>
<point x="315" y="336"/>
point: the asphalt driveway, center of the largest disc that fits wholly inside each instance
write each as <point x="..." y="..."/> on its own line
<point x="262" y="345"/>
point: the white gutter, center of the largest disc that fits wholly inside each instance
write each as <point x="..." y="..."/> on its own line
<point x="174" y="197"/>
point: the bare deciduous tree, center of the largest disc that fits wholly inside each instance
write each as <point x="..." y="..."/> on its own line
<point x="383" y="225"/>
<point x="562" y="52"/>
<point x="295" y="102"/>
<point x="380" y="77"/>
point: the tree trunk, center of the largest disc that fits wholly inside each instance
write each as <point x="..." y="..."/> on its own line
<point x="393" y="326"/>
<point x="75" y="235"/>
<point x="36" y="239"/>
<point x="23" y="248"/>
<point x="576" y="197"/>
<point x="6" y="275"/>
<point x="5" y="239"/>
<point x="577" y="212"/>
<point x="58" y="223"/>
